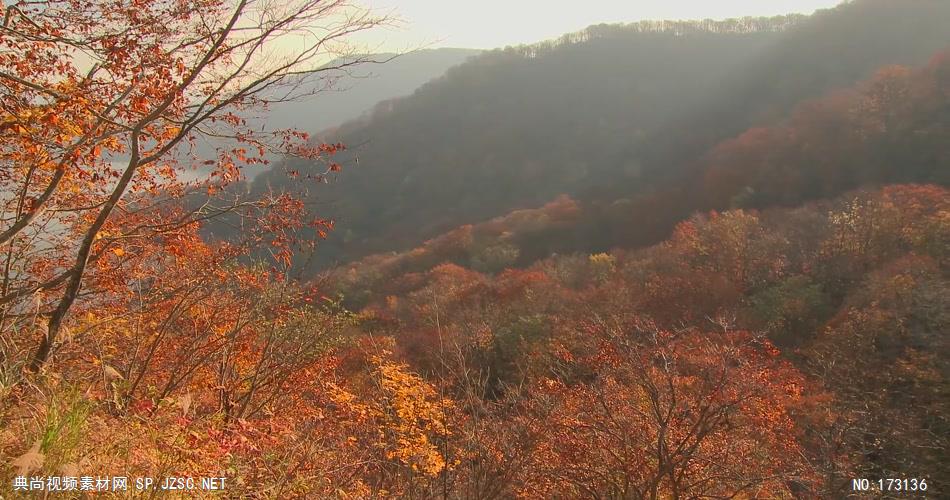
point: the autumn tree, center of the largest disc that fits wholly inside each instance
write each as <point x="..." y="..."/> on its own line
<point x="103" y="106"/>
<point x="671" y="415"/>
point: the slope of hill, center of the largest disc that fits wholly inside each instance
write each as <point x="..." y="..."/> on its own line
<point x="850" y="290"/>
<point x="610" y="112"/>
<point x="891" y="128"/>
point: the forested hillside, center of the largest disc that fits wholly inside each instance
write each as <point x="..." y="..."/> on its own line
<point x="847" y="292"/>
<point x="805" y="344"/>
<point x="599" y="115"/>
<point x="891" y="128"/>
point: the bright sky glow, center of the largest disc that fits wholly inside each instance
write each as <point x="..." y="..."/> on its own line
<point x="488" y="24"/>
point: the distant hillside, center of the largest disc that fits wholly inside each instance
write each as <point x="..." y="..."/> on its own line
<point x="362" y="86"/>
<point x="351" y="92"/>
<point x="606" y="113"/>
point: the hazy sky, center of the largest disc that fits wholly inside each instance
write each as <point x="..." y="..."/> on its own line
<point x="496" y="23"/>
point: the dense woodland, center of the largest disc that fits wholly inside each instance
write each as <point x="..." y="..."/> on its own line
<point x="661" y="260"/>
